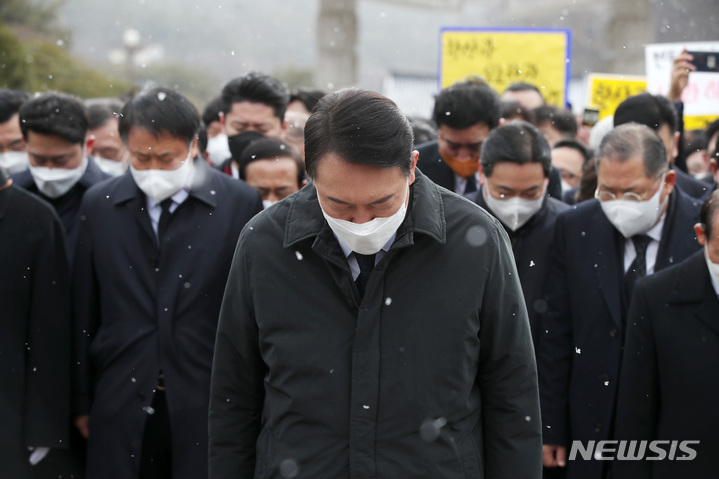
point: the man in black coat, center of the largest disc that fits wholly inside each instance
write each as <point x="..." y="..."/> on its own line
<point x="464" y="113"/>
<point x="35" y="344"/>
<point x="152" y="260"/>
<point x="659" y="114"/>
<point x="668" y="387"/>
<point x="255" y="103"/>
<point x="513" y="174"/>
<point x="373" y="323"/>
<point x="639" y="224"/>
<point x="55" y="128"/>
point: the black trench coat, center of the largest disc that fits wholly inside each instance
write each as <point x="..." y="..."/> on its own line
<point x="432" y="374"/>
<point x="35" y="331"/>
<point x="138" y="310"/>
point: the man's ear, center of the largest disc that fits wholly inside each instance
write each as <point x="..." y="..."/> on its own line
<point x="670" y="180"/>
<point x="481" y="173"/>
<point x="89" y="143"/>
<point x="222" y="120"/>
<point x="193" y="147"/>
<point x="713" y="167"/>
<point x="415" y="158"/>
<point x="701" y="234"/>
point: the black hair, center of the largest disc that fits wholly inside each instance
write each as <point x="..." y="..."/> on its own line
<point x="268" y="148"/>
<point x="712" y="130"/>
<point x="101" y="110"/>
<point x="54" y="113"/>
<point x="694" y="140"/>
<point x="202" y="138"/>
<point x="10" y="102"/>
<point x="647" y="109"/>
<point x="160" y="110"/>
<point x="561" y="119"/>
<point x="523" y="86"/>
<point x="256" y="87"/>
<point x="423" y="130"/>
<point x="708" y="211"/>
<point x="465" y="104"/>
<point x="575" y="145"/>
<point x="516" y="142"/>
<point x="513" y="110"/>
<point x="239" y="142"/>
<point x="307" y="97"/>
<point x="632" y="139"/>
<point x="361" y="127"/>
<point x="212" y="111"/>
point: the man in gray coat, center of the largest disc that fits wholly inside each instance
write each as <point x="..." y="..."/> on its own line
<point x="373" y="323"/>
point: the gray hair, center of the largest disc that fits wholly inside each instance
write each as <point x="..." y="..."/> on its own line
<point x="630" y="140"/>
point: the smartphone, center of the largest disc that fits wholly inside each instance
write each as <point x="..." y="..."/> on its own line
<point x="590" y="116"/>
<point x="706" y="61"/>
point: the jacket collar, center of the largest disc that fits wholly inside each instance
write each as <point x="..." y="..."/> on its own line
<point x="201" y="187"/>
<point x="425" y="215"/>
<point x="692" y="283"/>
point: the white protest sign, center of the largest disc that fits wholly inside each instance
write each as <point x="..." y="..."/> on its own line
<point x="700" y="97"/>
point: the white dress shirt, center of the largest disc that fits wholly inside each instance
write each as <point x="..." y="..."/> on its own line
<point x="460" y="183"/>
<point x="630" y="251"/>
<point x="354" y="265"/>
<point x="154" y="209"/>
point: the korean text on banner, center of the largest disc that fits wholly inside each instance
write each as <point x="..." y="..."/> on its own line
<point x="607" y="91"/>
<point x="540" y="57"/>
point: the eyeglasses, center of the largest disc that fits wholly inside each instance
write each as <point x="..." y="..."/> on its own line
<point x="628" y="196"/>
<point x="474" y="148"/>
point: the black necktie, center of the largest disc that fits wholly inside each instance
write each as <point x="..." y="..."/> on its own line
<point x="164" y="219"/>
<point x="471" y="185"/>
<point x="366" y="263"/>
<point x="638" y="268"/>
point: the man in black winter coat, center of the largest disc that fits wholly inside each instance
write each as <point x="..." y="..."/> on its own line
<point x="153" y="255"/>
<point x="35" y="344"/>
<point x="373" y="323"/>
<point x="55" y="128"/>
<point x="667" y="388"/>
<point x="513" y="174"/>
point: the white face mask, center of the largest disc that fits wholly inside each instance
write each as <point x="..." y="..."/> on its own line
<point x="55" y="182"/>
<point x="513" y="212"/>
<point x="111" y="167"/>
<point x="12" y="162"/>
<point x="635" y="217"/>
<point x="565" y="186"/>
<point x="218" y="149"/>
<point x="713" y="267"/>
<point x="267" y="203"/>
<point x="369" y="237"/>
<point x="162" y="184"/>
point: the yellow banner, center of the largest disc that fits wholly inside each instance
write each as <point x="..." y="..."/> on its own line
<point x="698" y="122"/>
<point x="606" y="92"/>
<point x="503" y="57"/>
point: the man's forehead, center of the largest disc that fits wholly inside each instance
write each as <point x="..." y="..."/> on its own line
<point x="632" y="169"/>
<point x="478" y="132"/>
<point x="252" y="109"/>
<point x="12" y="125"/>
